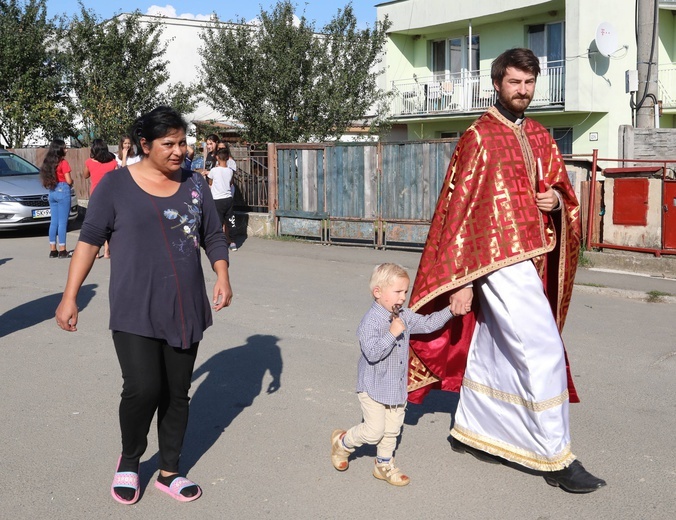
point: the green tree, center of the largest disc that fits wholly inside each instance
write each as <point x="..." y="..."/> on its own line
<point x="285" y="82"/>
<point x="34" y="99"/>
<point x="117" y="71"/>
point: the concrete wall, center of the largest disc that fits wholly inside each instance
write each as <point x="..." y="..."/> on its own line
<point x="647" y="143"/>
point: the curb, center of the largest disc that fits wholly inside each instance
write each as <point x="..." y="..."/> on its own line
<point x="639" y="263"/>
<point x="622" y="293"/>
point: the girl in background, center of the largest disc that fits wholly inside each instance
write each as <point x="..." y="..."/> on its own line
<point x="55" y="176"/>
<point x="210" y="159"/>
<point x="126" y="154"/>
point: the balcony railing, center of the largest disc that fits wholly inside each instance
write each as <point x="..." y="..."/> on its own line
<point x="667" y="85"/>
<point x="467" y="92"/>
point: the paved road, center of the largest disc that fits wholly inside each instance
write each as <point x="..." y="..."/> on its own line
<point x="276" y="374"/>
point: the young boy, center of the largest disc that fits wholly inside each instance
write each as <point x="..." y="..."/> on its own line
<point x="384" y="334"/>
<point x="220" y="180"/>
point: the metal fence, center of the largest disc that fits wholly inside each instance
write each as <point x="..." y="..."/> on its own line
<point x="380" y="194"/>
<point x="251" y="180"/>
<point x="468" y="92"/>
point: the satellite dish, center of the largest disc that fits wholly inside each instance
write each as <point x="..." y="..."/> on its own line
<point x="606" y="39"/>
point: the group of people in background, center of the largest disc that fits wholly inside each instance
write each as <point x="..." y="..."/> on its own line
<point x="55" y="174"/>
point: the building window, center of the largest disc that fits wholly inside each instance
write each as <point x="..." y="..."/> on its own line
<point x="547" y="41"/>
<point x="452" y="57"/>
<point x="563" y="138"/>
<point x="450" y="135"/>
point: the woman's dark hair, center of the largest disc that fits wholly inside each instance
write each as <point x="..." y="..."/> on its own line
<point x="100" y="152"/>
<point x="132" y="151"/>
<point x="212" y="137"/>
<point x="519" y="58"/>
<point x="55" y="154"/>
<point x="155" y="124"/>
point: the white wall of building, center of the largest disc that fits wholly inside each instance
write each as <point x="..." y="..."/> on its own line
<point x="183" y="58"/>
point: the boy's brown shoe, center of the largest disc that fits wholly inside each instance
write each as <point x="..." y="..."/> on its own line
<point x="339" y="453"/>
<point x="390" y="473"/>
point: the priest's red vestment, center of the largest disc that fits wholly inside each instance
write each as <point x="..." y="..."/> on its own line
<point x="485" y="219"/>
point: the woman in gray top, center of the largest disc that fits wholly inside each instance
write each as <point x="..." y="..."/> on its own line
<point x="156" y="217"/>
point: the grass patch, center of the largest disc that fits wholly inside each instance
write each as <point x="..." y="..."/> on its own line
<point x="656" y="296"/>
<point x="591" y="284"/>
<point x="584" y="261"/>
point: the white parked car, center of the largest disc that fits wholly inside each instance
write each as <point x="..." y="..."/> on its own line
<point x="23" y="199"/>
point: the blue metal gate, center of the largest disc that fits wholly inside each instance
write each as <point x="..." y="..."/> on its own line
<point x="381" y="194"/>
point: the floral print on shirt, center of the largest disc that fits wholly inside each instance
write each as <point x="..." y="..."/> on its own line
<point x="188" y="222"/>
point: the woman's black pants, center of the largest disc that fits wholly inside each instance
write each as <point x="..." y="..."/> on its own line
<point x="156" y="377"/>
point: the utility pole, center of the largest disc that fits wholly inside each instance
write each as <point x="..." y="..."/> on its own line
<point x="647" y="111"/>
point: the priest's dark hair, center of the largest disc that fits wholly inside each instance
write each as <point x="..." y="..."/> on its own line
<point x="519" y="58"/>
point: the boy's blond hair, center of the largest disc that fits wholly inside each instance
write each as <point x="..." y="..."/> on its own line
<point x="384" y="274"/>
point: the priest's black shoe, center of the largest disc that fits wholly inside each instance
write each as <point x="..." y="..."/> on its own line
<point x="461" y="447"/>
<point x="574" y="479"/>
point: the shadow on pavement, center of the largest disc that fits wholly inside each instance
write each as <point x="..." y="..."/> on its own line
<point x="436" y="401"/>
<point x="31" y="313"/>
<point x="234" y="378"/>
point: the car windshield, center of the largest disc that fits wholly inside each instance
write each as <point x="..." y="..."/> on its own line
<point x="11" y="165"/>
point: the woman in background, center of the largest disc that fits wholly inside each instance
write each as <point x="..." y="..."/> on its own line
<point x="101" y="162"/>
<point x="55" y="176"/>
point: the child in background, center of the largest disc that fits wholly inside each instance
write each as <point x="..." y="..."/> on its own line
<point x="224" y="145"/>
<point x="384" y="334"/>
<point x="126" y="155"/>
<point x="220" y="180"/>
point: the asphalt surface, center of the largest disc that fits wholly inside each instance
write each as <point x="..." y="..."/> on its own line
<point x="276" y="374"/>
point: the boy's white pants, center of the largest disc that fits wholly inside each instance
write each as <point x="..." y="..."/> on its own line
<point x="381" y="426"/>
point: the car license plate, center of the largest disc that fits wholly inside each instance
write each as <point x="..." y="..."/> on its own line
<point x="42" y="213"/>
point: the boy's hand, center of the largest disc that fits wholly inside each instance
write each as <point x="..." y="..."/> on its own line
<point x="461" y="301"/>
<point x="397" y="327"/>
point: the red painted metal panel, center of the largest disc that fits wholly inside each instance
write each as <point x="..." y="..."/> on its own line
<point x="630" y="202"/>
<point x="669" y="215"/>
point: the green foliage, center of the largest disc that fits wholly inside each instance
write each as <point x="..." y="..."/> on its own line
<point x="116" y="69"/>
<point x="286" y="83"/>
<point x="583" y="260"/>
<point x="31" y="71"/>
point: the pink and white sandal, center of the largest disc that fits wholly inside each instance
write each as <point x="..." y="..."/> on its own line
<point x="125" y="479"/>
<point x="177" y="485"/>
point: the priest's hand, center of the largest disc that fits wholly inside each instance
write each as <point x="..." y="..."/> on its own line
<point x="461" y="301"/>
<point x="547" y="201"/>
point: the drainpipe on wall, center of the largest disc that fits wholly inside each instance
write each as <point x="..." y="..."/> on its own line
<point x="469" y="48"/>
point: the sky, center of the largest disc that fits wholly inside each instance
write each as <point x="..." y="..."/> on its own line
<point x="321" y="11"/>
